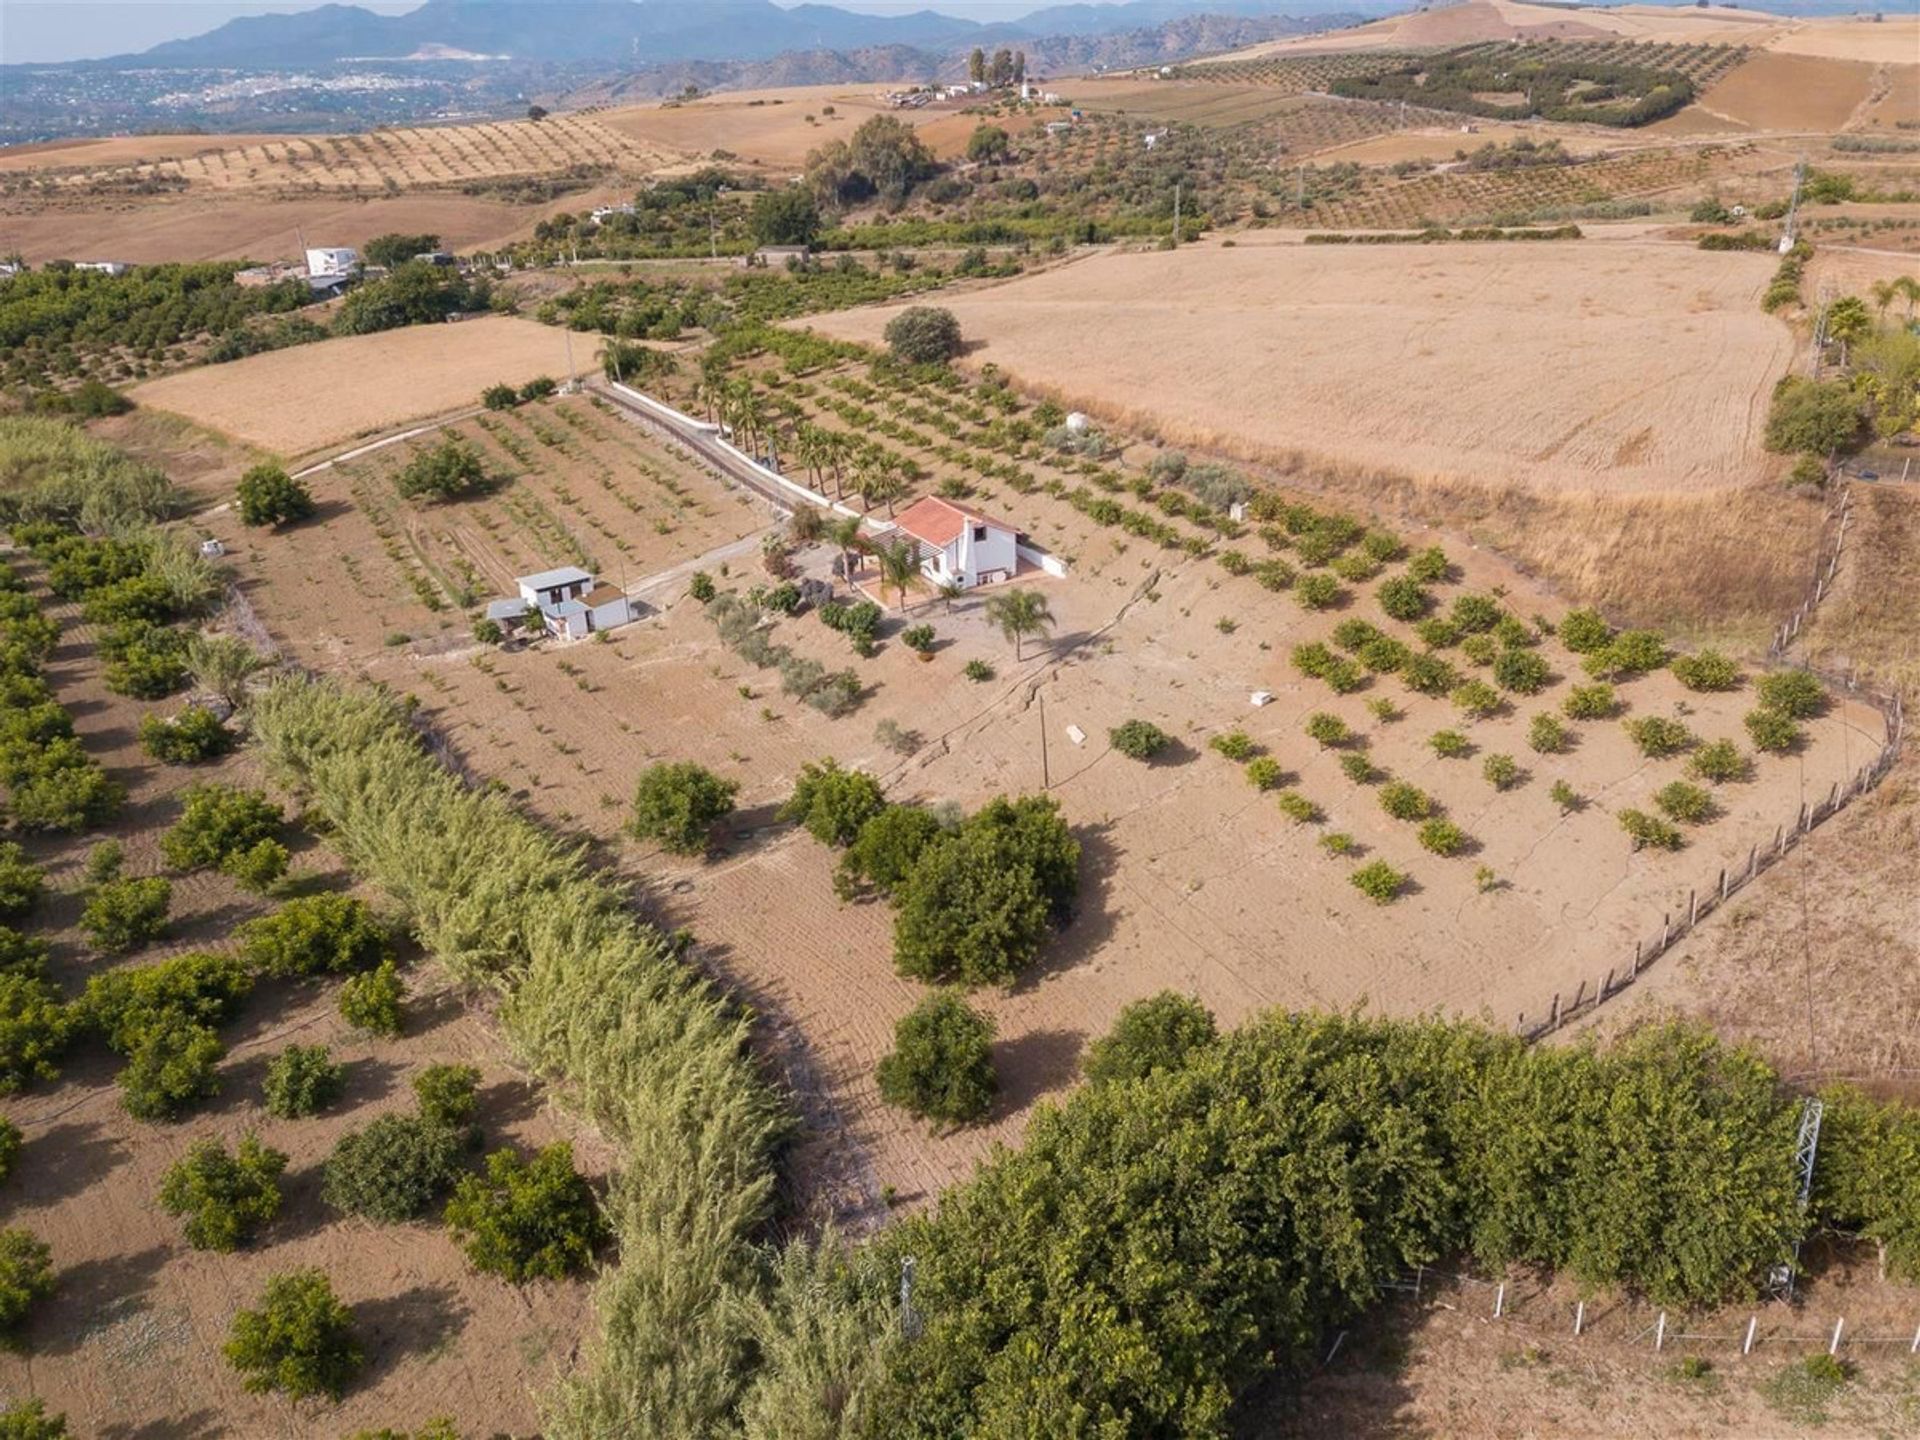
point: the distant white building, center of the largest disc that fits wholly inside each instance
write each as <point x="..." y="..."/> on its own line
<point x="326" y="263"/>
<point x="573" y="603"/>
<point x="603" y="213"/>
<point x="958" y="544"/>
<point x="104" y="267"/>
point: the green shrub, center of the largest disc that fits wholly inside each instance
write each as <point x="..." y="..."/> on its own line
<point x="10" y="1143"/>
<point x="1384" y="656"/>
<point x="26" y="1276"/>
<point x="978" y="901"/>
<point x="918" y="638"/>
<point x="269" y="496"/>
<point x="1298" y="807"/>
<point x="1158" y="1033"/>
<point x="35" y="1028"/>
<point x="1546" y="733"/>
<point x="1442" y="837"/>
<point x="1317" y="592"/>
<point x="500" y="397"/>
<point x="1583" y="631"/>
<point x="1405" y="802"/>
<point x="1680" y="801"/>
<point x="104" y="862"/>
<point x="1793" y="693"/>
<point x="1437" y="633"/>
<point x="302" y="1080"/>
<point x="218" y="826"/>
<point x="1631" y="652"/>
<point x="1428" y="675"/>
<point x="884" y="853"/>
<point x="941" y="1065"/>
<point x="323" y="934"/>
<point x="122" y="1006"/>
<point x="1429" y="566"/>
<point x="923" y="335"/>
<point x="1772" y="732"/>
<point x="370" y="1001"/>
<point x="299" y="1342"/>
<point x="195" y="734"/>
<point x="677" y="805"/>
<point x="1328" y="730"/>
<point x="701" y="587"/>
<point x="1656" y="736"/>
<point x="1404" y="598"/>
<point x="448" y="1094"/>
<point x="1500" y="771"/>
<point x="1476" y="698"/>
<point x="1650" y="830"/>
<point x="1378" y="881"/>
<point x="1264" y="772"/>
<point x="68" y="797"/>
<point x="28" y="1420"/>
<point x="124" y="914"/>
<point x="1473" y="614"/>
<point x="1522" y="671"/>
<point x="977" y="670"/>
<point x="1719" y="761"/>
<point x="260" y="866"/>
<point x="1449" y="744"/>
<point x="1383" y="710"/>
<point x="1358" y="768"/>
<point x="1337" y="842"/>
<point x="1708" y="670"/>
<point x="832" y="804"/>
<point x="21" y="882"/>
<point x="393" y="1170"/>
<point x="22" y="954"/>
<point x="1480" y="649"/>
<point x="448" y="471"/>
<point x="224" y="1197"/>
<point x="1139" y="739"/>
<point x="1802" y="1391"/>
<point x="145" y="661"/>
<point x="1565" y="796"/>
<point x="531" y="1219"/>
<point x="1590" y="702"/>
<point x="1236" y="745"/>
<point x="170" y="1068"/>
<point x="1812" y="417"/>
<point x="1869" y="1181"/>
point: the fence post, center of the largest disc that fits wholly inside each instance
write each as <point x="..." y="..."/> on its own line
<point x="1834" y="1347"/>
<point x="1666" y="929"/>
<point x="1579" y="1318"/>
<point x="1914" y="1349"/>
<point x="1500" y="1300"/>
<point x="1723" y="883"/>
<point x="1635" y="972"/>
<point x="1753" y="860"/>
<point x="1553" y="1014"/>
<point x="1833" y="795"/>
<point x="1419" y="1272"/>
<point x="1336" y="1348"/>
<point x="1660" y="1333"/>
<point x="1693" y="907"/>
<point x="1753" y="1324"/>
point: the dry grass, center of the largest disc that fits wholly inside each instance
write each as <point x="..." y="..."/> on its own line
<point x="1869" y="622"/>
<point x="300" y="400"/>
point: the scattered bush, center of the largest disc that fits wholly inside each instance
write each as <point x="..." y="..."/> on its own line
<point x="1405" y="802"/>
<point x="1476" y="698"/>
<point x="1656" y="737"/>
<point x="370" y="1001"/>
<point x="941" y="1065"/>
<point x="1680" y="801"/>
<point x="393" y="1170"/>
<point x="1500" y="771"/>
<point x="269" y="496"/>
<point x="1404" y="598"/>
<point x="315" y="935"/>
<point x="450" y="470"/>
<point x="26" y="1276"/>
<point x="1708" y="670"/>
<point x="299" y="1342"/>
<point x="302" y="1080"/>
<point x="923" y="335"/>
<point x="1264" y="772"/>
<point x="1650" y="830"/>
<point x="1428" y="675"/>
<point x="1565" y="796"/>
<point x="218" y="828"/>
<point x="1584" y="631"/>
<point x="832" y="804"/>
<point x="1158" y="1033"/>
<point x="1317" y="592"/>
<point x="1442" y="837"/>
<point x="1719" y="761"/>
<point x="1793" y="693"/>
<point x="1357" y="768"/>
<point x="1522" y="671"/>
<point x="224" y="1198"/>
<point x="678" y="805"/>
<point x="1429" y="566"/>
<point x="1437" y="633"/>
<point x="195" y="734"/>
<point x="1337" y="842"/>
<point x="885" y="851"/>
<point x="448" y="1094"/>
<point x="701" y="587"/>
<point x="1139" y="739"/>
<point x="918" y="638"/>
<point x="977" y="670"/>
<point x="532" y="1219"/>
<point x="1236" y="745"/>
<point x="1546" y="733"/>
<point x="122" y="915"/>
<point x="1590" y="702"/>
<point x="1298" y="807"/>
<point x="1378" y="881"/>
<point x="1473" y="614"/>
<point x="1772" y="732"/>
<point x="1449" y="744"/>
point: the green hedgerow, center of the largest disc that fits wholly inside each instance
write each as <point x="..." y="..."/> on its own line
<point x="527" y="1219"/>
<point x="1298" y="807"/>
<point x="299" y="1342"/>
<point x="223" y="1197"/>
<point x="302" y="1080"/>
<point x="1656" y="736"/>
<point x="1442" y="837"/>
<point x="370" y="1001"/>
<point x="1650" y="830"/>
<point x="1139" y="739"/>
<point x="1378" y="881"/>
<point x="1680" y="801"/>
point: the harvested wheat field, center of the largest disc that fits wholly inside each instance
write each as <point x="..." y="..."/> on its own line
<point x="766" y="127"/>
<point x="1781" y="91"/>
<point x="296" y="401"/>
<point x="1614" y="366"/>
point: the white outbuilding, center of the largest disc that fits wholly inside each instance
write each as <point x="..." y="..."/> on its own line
<point x="958" y="544"/>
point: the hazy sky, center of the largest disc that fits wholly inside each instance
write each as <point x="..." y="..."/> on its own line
<point x="47" y="30"/>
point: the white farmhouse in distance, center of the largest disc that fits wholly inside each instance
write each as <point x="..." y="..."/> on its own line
<point x="104" y="267"/>
<point x="958" y="544"/>
<point x="331" y="262"/>
<point x="573" y="603"/>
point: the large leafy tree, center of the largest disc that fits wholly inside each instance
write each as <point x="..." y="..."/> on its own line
<point x="941" y="1066"/>
<point x="299" y="1342"/>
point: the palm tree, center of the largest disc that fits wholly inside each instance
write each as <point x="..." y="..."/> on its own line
<point x="1020" y="613"/>
<point x="885" y="481"/>
<point x="950" y="591"/>
<point x="1884" y="293"/>
<point x="1910" y="289"/>
<point x="899" y="562"/>
<point x="810" y="450"/>
<point x="846" y="534"/>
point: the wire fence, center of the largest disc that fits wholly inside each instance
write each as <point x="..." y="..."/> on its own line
<point x="1823" y="574"/>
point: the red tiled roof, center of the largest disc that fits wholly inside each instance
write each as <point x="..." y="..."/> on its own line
<point x="602" y="595"/>
<point x="939" y="522"/>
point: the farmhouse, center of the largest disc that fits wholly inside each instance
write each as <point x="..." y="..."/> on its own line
<point x="331" y="262"/>
<point x="959" y="545"/>
<point x="104" y="267"/>
<point x="574" y="603"/>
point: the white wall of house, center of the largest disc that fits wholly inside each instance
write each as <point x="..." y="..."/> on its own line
<point x="979" y="555"/>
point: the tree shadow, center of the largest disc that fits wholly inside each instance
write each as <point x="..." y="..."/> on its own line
<point x="94" y="1295"/>
<point x="68" y="1158"/>
<point x="200" y="1425"/>
<point x="424" y="1321"/>
<point x="1034" y="1064"/>
<point x="1091" y="924"/>
<point x="507" y="1102"/>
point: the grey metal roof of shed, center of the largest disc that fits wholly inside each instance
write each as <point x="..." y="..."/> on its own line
<point x="506" y="609"/>
<point x="550" y="579"/>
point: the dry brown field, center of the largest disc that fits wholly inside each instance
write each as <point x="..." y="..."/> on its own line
<point x="1893" y="39"/>
<point x="129" y="1345"/>
<point x="1782" y="91"/>
<point x="1585" y="365"/>
<point x="119" y="150"/>
<point x="293" y="402"/>
<point x="770" y="127"/>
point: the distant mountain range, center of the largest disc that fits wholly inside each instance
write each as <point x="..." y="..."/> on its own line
<point x="634" y="33"/>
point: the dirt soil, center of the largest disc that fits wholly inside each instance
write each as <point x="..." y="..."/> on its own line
<point x="1779" y="91"/>
<point x="770" y="127"/>
<point x="1583" y="365"/>
<point x="129" y="1346"/>
<point x="295" y="401"/>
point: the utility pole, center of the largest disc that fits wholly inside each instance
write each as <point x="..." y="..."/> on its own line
<point x="1176" y="214"/>
<point x="713" y="234"/>
<point x="1046" y="774"/>
<point x="1300" y="195"/>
